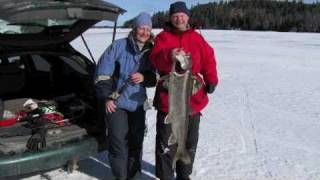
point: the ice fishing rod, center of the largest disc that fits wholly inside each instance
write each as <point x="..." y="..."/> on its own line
<point x="117" y="93"/>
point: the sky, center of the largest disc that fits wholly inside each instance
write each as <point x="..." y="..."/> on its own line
<point x="134" y="7"/>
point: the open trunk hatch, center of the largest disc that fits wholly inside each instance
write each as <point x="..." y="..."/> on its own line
<point x="39" y="23"/>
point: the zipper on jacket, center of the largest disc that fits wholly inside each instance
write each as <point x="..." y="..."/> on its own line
<point x="180" y="39"/>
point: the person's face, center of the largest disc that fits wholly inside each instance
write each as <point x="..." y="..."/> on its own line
<point x="143" y="34"/>
<point x="179" y="20"/>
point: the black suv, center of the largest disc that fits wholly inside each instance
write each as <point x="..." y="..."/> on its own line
<point x="38" y="65"/>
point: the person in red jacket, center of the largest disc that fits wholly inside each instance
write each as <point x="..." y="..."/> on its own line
<point x="176" y="39"/>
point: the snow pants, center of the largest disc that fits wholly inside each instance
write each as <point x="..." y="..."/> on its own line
<point x="125" y="135"/>
<point x="165" y="153"/>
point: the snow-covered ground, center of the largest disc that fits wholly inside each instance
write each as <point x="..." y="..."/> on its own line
<point x="262" y="122"/>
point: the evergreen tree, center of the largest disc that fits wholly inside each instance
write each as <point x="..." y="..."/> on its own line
<point x="251" y="15"/>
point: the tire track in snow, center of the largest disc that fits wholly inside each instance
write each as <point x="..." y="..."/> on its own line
<point x="246" y="120"/>
<point x="248" y="127"/>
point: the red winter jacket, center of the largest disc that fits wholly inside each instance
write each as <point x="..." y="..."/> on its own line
<point x="203" y="64"/>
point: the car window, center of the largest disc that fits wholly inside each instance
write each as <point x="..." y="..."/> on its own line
<point x="40" y="63"/>
<point x="12" y="75"/>
<point x="14" y="59"/>
<point x="75" y="65"/>
<point x="12" y="63"/>
<point x="32" y="27"/>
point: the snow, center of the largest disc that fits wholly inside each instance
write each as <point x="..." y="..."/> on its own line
<point x="262" y="122"/>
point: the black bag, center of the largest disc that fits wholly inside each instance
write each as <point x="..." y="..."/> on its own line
<point x="71" y="106"/>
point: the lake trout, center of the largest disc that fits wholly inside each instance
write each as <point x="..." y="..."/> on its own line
<point x="180" y="90"/>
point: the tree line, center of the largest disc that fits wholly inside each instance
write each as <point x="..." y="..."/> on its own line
<point x="261" y="15"/>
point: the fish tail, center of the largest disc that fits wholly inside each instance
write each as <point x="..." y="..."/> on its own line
<point x="172" y="140"/>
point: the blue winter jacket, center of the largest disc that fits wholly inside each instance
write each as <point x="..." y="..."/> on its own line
<point x="130" y="59"/>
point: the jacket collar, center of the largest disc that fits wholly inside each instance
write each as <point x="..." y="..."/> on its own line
<point x="170" y="28"/>
<point x="133" y="44"/>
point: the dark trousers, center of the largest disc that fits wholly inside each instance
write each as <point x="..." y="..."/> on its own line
<point x="125" y="136"/>
<point x="165" y="153"/>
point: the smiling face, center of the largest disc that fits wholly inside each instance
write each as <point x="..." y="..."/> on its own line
<point x="180" y="20"/>
<point x="143" y="34"/>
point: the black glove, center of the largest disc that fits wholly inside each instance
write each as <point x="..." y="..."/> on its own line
<point x="210" y="88"/>
<point x="37" y="141"/>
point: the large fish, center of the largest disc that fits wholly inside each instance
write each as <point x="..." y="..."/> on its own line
<point x="180" y="90"/>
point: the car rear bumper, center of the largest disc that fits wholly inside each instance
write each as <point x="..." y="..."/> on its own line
<point x="52" y="158"/>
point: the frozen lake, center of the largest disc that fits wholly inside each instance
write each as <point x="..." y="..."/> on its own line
<point x="262" y="122"/>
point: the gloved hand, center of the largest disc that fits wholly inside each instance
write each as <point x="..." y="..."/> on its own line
<point x="210" y="88"/>
<point x="37" y="141"/>
<point x="176" y="52"/>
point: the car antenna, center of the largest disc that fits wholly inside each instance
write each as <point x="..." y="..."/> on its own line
<point x="85" y="43"/>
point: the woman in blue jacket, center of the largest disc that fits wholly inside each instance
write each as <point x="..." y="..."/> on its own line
<point x="122" y="75"/>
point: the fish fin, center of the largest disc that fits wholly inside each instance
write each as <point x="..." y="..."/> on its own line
<point x="181" y="156"/>
<point x="172" y="140"/>
<point x="167" y="120"/>
<point x="174" y="162"/>
<point x="184" y="156"/>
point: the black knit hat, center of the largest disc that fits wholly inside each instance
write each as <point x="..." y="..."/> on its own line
<point x="179" y="6"/>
